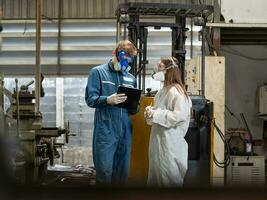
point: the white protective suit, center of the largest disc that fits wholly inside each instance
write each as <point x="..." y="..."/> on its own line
<point x="168" y="150"/>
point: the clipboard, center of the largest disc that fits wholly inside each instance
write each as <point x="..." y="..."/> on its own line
<point x="133" y="97"/>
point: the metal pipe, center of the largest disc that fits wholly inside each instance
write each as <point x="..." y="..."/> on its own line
<point x="178" y="39"/>
<point x="17" y="107"/>
<point x="62" y="155"/>
<point x="140" y="62"/>
<point x="236" y="25"/>
<point x="191" y="38"/>
<point x="31" y="82"/>
<point x="59" y="38"/>
<point x="124" y="31"/>
<point x="203" y="63"/>
<point x="141" y="47"/>
<point x="133" y="37"/>
<point x="118" y="27"/>
<point x="125" y="26"/>
<point x="144" y="38"/>
<point x="2" y="90"/>
<point x="38" y="15"/>
<point x="245" y="122"/>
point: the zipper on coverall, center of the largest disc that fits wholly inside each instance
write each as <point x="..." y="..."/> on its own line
<point x="121" y="108"/>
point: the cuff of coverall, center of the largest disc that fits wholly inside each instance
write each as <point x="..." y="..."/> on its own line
<point x="103" y="100"/>
<point x="156" y="116"/>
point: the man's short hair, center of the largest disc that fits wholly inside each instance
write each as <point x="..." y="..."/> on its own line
<point x="127" y="46"/>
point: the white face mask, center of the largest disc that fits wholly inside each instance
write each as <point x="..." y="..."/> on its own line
<point x="159" y="76"/>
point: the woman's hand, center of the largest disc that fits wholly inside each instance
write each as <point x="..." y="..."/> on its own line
<point x="149" y="112"/>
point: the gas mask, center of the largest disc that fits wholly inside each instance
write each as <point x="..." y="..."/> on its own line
<point x="124" y="59"/>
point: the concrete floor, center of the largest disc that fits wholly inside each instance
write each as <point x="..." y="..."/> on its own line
<point x="123" y="193"/>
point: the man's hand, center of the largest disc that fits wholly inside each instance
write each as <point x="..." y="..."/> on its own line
<point x="116" y="99"/>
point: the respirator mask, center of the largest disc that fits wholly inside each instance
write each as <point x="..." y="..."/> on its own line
<point x="124" y="59"/>
<point x="159" y="75"/>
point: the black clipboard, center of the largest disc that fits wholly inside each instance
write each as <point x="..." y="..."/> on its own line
<point x="133" y="97"/>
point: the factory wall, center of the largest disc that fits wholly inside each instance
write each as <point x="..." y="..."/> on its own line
<point x="244" y="11"/>
<point x="246" y="70"/>
<point x="84" y="44"/>
<point x="24" y="9"/>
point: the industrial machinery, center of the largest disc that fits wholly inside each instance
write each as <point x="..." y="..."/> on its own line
<point x="246" y="171"/>
<point x="262" y="102"/>
<point x="262" y="114"/>
<point x="30" y="145"/>
<point x="33" y="145"/>
<point x="198" y="136"/>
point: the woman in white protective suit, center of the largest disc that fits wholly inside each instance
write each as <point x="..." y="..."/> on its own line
<point x="170" y="116"/>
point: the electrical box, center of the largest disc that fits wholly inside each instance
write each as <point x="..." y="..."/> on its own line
<point x="193" y="75"/>
<point x="263" y="102"/>
<point x="246" y="171"/>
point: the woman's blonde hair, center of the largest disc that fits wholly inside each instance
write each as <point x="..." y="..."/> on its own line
<point x="127" y="46"/>
<point x="173" y="75"/>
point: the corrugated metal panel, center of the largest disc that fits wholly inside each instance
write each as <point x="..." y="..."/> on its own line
<point x="85" y="43"/>
<point x="24" y="9"/>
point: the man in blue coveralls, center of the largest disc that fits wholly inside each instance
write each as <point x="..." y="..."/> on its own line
<point x="112" y="125"/>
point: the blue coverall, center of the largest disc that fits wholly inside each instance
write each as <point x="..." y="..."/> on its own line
<point x="112" y="125"/>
